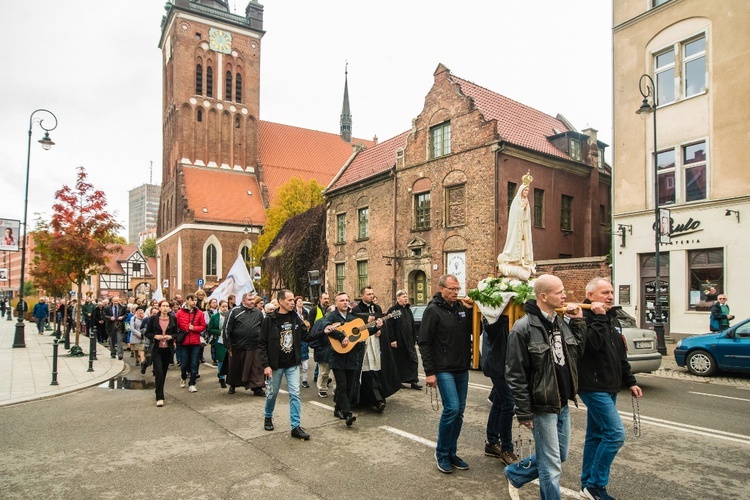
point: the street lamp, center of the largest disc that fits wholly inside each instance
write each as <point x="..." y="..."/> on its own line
<point x="648" y="89"/>
<point x="19" y="338"/>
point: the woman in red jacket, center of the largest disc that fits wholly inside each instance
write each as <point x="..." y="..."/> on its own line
<point x="191" y="323"/>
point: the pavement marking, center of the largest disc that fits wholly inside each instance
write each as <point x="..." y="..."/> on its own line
<point x="691" y="429"/>
<point x="408" y="435"/>
<point x="319" y="405"/>
<point x="718" y="396"/>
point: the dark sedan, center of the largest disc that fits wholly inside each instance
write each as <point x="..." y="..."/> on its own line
<point x="727" y="350"/>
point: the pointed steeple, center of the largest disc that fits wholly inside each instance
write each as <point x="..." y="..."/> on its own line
<point x="346" y="114"/>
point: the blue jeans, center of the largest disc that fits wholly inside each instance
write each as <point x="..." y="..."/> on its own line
<point x="500" y="421"/>
<point x="292" y="382"/>
<point x="40" y="324"/>
<point x="453" y="388"/>
<point x="551" y="437"/>
<point x="605" y="435"/>
<point x="189" y="363"/>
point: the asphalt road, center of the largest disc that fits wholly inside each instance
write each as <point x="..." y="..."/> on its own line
<point x="107" y="442"/>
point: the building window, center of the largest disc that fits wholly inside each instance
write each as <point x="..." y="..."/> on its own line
<point x="456" y="209"/>
<point x="361" y="274"/>
<point x="692" y="64"/>
<point x="199" y="115"/>
<point x="566" y="213"/>
<point x="657" y="3"/>
<point x="694" y="160"/>
<point x="538" y="207"/>
<point x="136" y="267"/>
<point x="691" y="176"/>
<point x="210" y="260"/>
<point x="706" y="269"/>
<point x="603" y="219"/>
<point x="209" y="82"/>
<point x="575" y="149"/>
<point x="422" y="211"/>
<point x="199" y="80"/>
<point x="228" y="86"/>
<point x="247" y="258"/>
<point x="340" y="277"/>
<point x="238" y="88"/>
<point x="363" y="218"/>
<point x="340" y="228"/>
<point x="665" y="168"/>
<point x="440" y="140"/>
<point x="236" y="122"/>
<point x="511" y="193"/>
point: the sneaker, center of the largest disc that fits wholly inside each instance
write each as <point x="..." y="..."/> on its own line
<point x="183" y="383"/>
<point x="268" y="424"/>
<point x="192" y="388"/>
<point x="508" y="457"/>
<point x="443" y="464"/>
<point x="299" y="433"/>
<point x="458" y="463"/>
<point x="305" y="384"/>
<point x="596" y="493"/>
<point x="512" y="490"/>
<point x="323" y="394"/>
<point x="160" y="403"/>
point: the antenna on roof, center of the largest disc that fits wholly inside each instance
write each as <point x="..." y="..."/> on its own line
<point x="151" y="172"/>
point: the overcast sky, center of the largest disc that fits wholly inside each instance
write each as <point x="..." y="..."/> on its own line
<point x="96" y="65"/>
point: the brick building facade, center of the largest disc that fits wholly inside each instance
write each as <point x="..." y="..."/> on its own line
<point x="435" y="199"/>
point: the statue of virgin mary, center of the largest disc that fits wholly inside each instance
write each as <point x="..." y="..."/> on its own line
<point x="517" y="259"/>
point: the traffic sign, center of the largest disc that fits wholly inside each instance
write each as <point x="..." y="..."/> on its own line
<point x="199" y="282"/>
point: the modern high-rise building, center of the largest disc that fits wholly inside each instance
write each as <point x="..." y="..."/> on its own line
<point x="143" y="209"/>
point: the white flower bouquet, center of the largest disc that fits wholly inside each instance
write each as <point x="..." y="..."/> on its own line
<point x="493" y="295"/>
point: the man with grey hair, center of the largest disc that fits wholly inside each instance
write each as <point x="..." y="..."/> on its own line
<point x="542" y="372"/>
<point x="604" y="368"/>
<point x="242" y="340"/>
<point x="445" y="344"/>
<point x="402" y="338"/>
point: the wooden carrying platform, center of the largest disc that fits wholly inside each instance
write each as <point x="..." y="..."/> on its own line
<point x="513" y="311"/>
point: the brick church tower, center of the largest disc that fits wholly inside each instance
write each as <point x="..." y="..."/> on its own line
<point x="212" y="201"/>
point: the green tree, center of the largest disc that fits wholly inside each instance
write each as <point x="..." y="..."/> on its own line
<point x="293" y="198"/>
<point x="148" y="247"/>
<point x="80" y="236"/>
<point x="119" y="240"/>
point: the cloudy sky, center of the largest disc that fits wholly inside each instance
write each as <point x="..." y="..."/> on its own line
<point x="97" y="66"/>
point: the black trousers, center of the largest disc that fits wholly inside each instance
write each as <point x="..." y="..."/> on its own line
<point x="161" y="358"/>
<point x="345" y="385"/>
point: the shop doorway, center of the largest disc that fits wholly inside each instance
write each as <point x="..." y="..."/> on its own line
<point x="648" y="291"/>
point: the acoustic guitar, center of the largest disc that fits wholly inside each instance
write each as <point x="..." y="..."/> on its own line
<point x="356" y="331"/>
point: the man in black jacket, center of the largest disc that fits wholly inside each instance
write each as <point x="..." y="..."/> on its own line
<point x="242" y="339"/>
<point x="281" y="335"/>
<point x="114" y="316"/>
<point x="542" y="372"/>
<point x="322" y="347"/>
<point x="445" y="344"/>
<point x="603" y="369"/>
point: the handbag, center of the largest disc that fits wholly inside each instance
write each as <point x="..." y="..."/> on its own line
<point x="180" y="338"/>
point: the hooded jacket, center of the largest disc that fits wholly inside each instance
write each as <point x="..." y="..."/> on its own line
<point x="445" y="337"/>
<point x="530" y="367"/>
<point x="604" y="365"/>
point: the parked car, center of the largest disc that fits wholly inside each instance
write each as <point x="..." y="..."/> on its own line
<point x="642" y="354"/>
<point x="418" y="311"/>
<point x="727" y="350"/>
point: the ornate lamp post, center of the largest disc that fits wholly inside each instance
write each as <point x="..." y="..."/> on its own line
<point x="648" y="89"/>
<point x="19" y="338"/>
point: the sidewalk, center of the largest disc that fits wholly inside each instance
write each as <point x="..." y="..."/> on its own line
<point x="26" y="373"/>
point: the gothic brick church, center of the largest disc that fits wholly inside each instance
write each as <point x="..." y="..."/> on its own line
<point x="222" y="164"/>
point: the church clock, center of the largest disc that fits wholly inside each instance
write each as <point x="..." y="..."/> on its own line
<point x="220" y="41"/>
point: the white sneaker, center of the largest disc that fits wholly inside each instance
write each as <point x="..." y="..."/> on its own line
<point x="192" y="388"/>
<point x="513" y="491"/>
<point x="182" y="383"/>
<point x="160" y="402"/>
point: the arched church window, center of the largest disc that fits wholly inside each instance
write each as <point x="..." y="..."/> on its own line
<point x="209" y="82"/>
<point x="199" y="79"/>
<point x="200" y="115"/>
<point x="238" y="88"/>
<point x="228" y="86"/>
<point x="210" y="260"/>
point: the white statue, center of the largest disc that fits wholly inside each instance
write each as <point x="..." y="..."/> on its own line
<point x="517" y="259"/>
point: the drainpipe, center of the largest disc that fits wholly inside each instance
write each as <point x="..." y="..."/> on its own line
<point x="394" y="235"/>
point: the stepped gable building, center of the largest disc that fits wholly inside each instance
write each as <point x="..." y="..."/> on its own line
<point x="222" y="165"/>
<point x="691" y="50"/>
<point x="435" y="198"/>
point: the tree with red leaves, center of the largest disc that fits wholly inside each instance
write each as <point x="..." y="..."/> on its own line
<point x="76" y="242"/>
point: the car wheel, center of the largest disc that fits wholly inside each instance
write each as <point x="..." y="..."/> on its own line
<point x="701" y="363"/>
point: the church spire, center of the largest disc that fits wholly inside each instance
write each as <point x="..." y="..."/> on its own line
<point x="346" y="114"/>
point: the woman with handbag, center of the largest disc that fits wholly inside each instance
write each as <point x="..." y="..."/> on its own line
<point x="162" y="330"/>
<point x="136" y="337"/>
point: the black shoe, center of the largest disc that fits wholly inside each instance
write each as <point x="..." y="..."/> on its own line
<point x="132" y="354"/>
<point x="416" y="386"/>
<point x="339" y="414"/>
<point x="231" y="390"/>
<point x="137" y="363"/>
<point x="216" y="363"/>
<point x="268" y="424"/>
<point x="119" y="357"/>
<point x="113" y="356"/>
<point x="299" y="433"/>
<point x="350" y="419"/>
<point x="259" y="392"/>
<point x="143" y="369"/>
<point x="305" y="384"/>
<point x="223" y="383"/>
<point x="380" y="407"/>
<point x="197" y="376"/>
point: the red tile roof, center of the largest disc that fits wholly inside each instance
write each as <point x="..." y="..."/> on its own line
<point x="224" y="195"/>
<point x="372" y="161"/>
<point x="287" y="151"/>
<point x="516" y="123"/>
<point x="126" y="251"/>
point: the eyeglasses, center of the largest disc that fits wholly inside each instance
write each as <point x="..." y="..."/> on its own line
<point x="454" y="289"/>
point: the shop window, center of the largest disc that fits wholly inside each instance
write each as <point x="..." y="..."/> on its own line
<point x="706" y="270"/>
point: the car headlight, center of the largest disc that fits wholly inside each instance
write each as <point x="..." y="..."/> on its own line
<point x="679" y="344"/>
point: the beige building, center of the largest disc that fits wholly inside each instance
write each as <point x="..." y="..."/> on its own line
<point x="695" y="52"/>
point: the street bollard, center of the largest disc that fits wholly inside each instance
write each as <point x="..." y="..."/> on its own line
<point x="10" y="313"/>
<point x="92" y="352"/>
<point x="67" y="338"/>
<point x="54" y="362"/>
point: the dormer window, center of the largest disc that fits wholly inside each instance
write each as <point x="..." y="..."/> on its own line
<point x="574" y="149"/>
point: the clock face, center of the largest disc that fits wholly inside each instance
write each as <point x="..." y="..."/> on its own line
<point x="220" y="41"/>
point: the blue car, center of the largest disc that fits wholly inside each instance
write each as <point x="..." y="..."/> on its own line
<point x="727" y="350"/>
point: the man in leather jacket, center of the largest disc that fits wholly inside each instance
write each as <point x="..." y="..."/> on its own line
<point x="541" y="371"/>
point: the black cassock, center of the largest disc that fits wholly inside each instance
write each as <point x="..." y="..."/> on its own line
<point x="401" y="330"/>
